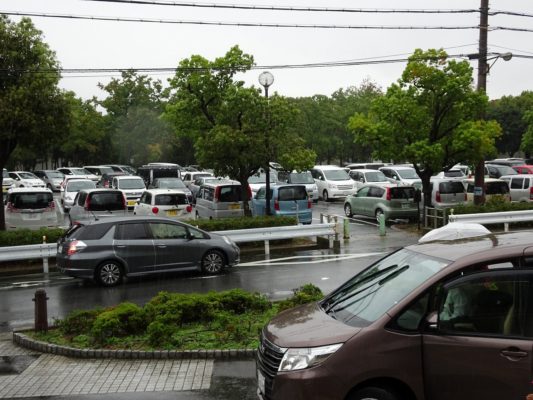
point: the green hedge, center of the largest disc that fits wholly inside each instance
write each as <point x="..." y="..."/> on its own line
<point x="21" y="237"/>
<point x="494" y="204"/>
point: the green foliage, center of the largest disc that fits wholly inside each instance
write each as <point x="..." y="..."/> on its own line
<point x="21" y="237"/>
<point x="123" y="320"/>
<point x="78" y="322"/>
<point x="215" y="320"/>
<point x="305" y="294"/>
<point x="494" y="204"/>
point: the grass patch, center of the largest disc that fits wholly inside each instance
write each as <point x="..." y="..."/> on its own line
<point x="174" y="321"/>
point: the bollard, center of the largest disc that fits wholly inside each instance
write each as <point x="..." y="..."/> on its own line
<point x="41" y="312"/>
<point x="336" y="241"/>
<point x="45" y="259"/>
<point x="346" y="228"/>
<point x="381" y="224"/>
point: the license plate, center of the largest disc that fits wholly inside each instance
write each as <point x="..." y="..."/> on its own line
<point x="131" y="203"/>
<point x="172" y="213"/>
<point x="234" y="206"/>
<point x="260" y="382"/>
<point x="406" y="205"/>
<point x="30" y="216"/>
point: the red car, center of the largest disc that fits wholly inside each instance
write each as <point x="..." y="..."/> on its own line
<point x="524" y="169"/>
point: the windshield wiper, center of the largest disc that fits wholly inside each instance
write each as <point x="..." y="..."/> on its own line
<point x="342" y="293"/>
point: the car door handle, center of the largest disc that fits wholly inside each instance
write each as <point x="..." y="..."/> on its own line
<point x="514" y="353"/>
<point x="121" y="246"/>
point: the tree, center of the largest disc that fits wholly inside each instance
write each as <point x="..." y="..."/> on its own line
<point x="236" y="130"/>
<point x="33" y="108"/>
<point x="429" y="118"/>
<point x="509" y="111"/>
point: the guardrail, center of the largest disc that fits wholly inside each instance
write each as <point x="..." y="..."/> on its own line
<point x="48" y="250"/>
<point x="505" y="218"/>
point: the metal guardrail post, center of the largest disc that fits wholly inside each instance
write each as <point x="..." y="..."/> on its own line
<point x="346" y="228"/>
<point x="267" y="247"/>
<point x="41" y="311"/>
<point x="381" y="225"/>
<point x="45" y="258"/>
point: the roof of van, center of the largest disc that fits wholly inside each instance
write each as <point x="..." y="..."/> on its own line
<point x="29" y="190"/>
<point x="327" y="167"/>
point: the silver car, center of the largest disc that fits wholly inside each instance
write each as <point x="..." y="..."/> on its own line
<point x="30" y="208"/>
<point x="51" y="178"/>
<point x="113" y="248"/>
<point x="95" y="204"/>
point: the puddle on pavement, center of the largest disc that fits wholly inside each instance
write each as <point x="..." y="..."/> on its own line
<point x="13" y="365"/>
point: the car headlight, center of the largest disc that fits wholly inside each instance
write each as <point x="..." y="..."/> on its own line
<point x="302" y="358"/>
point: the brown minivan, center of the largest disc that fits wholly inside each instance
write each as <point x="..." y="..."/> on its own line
<point x="439" y="320"/>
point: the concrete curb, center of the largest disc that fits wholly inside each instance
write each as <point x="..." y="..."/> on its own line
<point x="27" y="342"/>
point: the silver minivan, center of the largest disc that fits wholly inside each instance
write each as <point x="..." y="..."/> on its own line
<point x="447" y="193"/>
<point x="219" y="200"/>
<point x="520" y="187"/>
<point x="95" y="204"/>
<point x="30" y="208"/>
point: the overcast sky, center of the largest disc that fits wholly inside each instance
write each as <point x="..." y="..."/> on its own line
<point x="101" y="44"/>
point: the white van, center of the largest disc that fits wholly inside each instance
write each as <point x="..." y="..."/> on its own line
<point x="520" y="187"/>
<point x="402" y="175"/>
<point x="333" y="182"/>
<point x="220" y="199"/>
<point x="132" y="186"/>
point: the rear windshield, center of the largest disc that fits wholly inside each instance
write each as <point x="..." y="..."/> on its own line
<point x="292" y="193"/>
<point x="131" y="184"/>
<point x="54" y="174"/>
<point x="30" y="200"/>
<point x="76" y="186"/>
<point x="497" y="188"/>
<point x="107" y="201"/>
<point x="302" y="177"/>
<point x="230" y="193"/>
<point x="402" y="192"/>
<point x="337" y="175"/>
<point x="451" y="187"/>
<point x="454" y="174"/>
<point x="171" y="199"/>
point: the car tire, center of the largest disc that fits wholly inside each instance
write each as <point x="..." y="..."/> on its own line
<point x="325" y="195"/>
<point x="379" y="212"/>
<point x="374" y="393"/>
<point x="348" y="210"/>
<point x="109" y="273"/>
<point x="213" y="262"/>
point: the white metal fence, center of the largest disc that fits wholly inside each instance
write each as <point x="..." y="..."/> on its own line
<point x="504" y="218"/>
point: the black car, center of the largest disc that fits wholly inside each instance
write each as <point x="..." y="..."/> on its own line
<point x="107" y="250"/>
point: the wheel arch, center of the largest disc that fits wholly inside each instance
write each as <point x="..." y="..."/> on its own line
<point x="220" y="250"/>
<point x="120" y="263"/>
<point x="397" y="386"/>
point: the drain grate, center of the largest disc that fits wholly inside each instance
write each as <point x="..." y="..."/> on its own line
<point x="13" y="365"/>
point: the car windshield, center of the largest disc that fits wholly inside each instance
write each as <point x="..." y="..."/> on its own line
<point x="376" y="176"/>
<point x="131" y="184"/>
<point x="371" y="293"/>
<point x="408" y="174"/>
<point x="76" y="186"/>
<point x="54" y="175"/>
<point x="27" y="175"/>
<point x="171" y="183"/>
<point x="261" y="179"/>
<point x="301" y="177"/>
<point x="80" y="171"/>
<point x="337" y="175"/>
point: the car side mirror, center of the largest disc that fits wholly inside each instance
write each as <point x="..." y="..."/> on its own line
<point x="432" y="320"/>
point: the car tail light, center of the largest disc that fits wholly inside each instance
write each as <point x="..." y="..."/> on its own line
<point x="437" y="197"/>
<point x="276" y="205"/>
<point x="531" y="193"/>
<point x="466" y="197"/>
<point x="87" y="203"/>
<point x="155" y="210"/>
<point x="11" y="208"/>
<point x="189" y="208"/>
<point x="309" y="203"/>
<point x="217" y="194"/>
<point x="75" y="247"/>
<point x="51" y="206"/>
<point x="250" y="194"/>
<point x="124" y="202"/>
<point x="389" y="196"/>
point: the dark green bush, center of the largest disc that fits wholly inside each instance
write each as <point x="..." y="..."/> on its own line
<point x="494" y="204"/>
<point x="20" y="237"/>
<point x="305" y="294"/>
<point x="123" y="320"/>
<point x="239" y="301"/>
<point x="78" y="322"/>
<point x="160" y="333"/>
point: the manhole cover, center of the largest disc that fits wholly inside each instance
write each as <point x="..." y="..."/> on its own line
<point x="12" y="365"/>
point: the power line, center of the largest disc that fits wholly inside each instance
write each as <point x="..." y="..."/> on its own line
<point x="290" y="8"/>
<point x="511" y="13"/>
<point x="240" y="24"/>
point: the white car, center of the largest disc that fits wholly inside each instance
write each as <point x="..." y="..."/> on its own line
<point x="363" y="176"/>
<point x="75" y="171"/>
<point x="189" y="177"/>
<point x="30" y="208"/>
<point x="132" y="186"/>
<point x="7" y="182"/>
<point x="170" y="203"/>
<point x="402" y="175"/>
<point x="333" y="182"/>
<point x="257" y="181"/>
<point x="26" y="179"/>
<point x="70" y="189"/>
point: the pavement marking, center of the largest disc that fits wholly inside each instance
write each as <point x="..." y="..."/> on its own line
<point x="313" y="259"/>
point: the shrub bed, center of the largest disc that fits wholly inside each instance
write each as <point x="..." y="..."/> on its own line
<point x="494" y="204"/>
<point x="176" y="321"/>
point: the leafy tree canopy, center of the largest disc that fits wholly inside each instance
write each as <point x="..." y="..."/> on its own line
<point x="429" y="117"/>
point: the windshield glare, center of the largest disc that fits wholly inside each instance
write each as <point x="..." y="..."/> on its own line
<point x="370" y="294"/>
<point x="408" y="174"/>
<point x="337" y="175"/>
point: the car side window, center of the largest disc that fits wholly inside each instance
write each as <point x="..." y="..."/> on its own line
<point x="493" y="303"/>
<point x="363" y="192"/>
<point x="81" y="197"/>
<point x="261" y="194"/>
<point x="168" y="231"/>
<point x="526" y="183"/>
<point x="209" y="194"/>
<point x="375" y="192"/>
<point x="517" y="183"/>
<point x="131" y="231"/>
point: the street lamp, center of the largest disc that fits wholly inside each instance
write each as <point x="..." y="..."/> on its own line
<point x="266" y="79"/>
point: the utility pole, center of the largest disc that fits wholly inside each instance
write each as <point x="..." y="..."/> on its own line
<point x="482" y="70"/>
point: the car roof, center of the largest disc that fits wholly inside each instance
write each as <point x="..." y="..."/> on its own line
<point x="517" y="176"/>
<point x="493" y="245"/>
<point x="487" y="180"/>
<point x="112" y="220"/>
<point x="365" y="170"/>
<point x="327" y="167"/>
<point x="122" y="176"/>
<point x="221" y="182"/>
<point x="397" y="167"/>
<point x="165" y="191"/>
<point x="101" y="190"/>
<point x="29" y="190"/>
